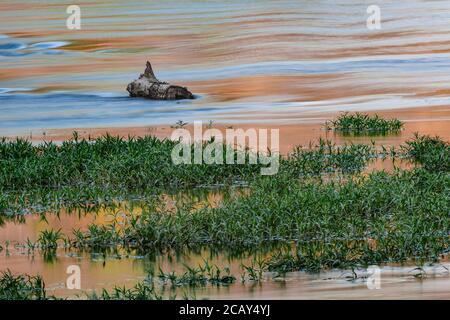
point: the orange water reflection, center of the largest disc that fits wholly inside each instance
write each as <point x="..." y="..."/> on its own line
<point x="288" y="65"/>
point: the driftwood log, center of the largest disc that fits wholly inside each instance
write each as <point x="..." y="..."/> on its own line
<point x="148" y="86"/>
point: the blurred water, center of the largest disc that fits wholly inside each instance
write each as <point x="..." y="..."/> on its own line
<point x="246" y="60"/>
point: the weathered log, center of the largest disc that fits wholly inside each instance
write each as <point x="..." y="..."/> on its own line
<point x="148" y="86"/>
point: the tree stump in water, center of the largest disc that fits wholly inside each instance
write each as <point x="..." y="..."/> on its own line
<point x="148" y="86"/>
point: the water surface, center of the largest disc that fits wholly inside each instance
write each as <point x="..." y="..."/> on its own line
<point x="246" y="60"/>
<point x="264" y="61"/>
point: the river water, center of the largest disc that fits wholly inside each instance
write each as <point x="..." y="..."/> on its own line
<point x="247" y="61"/>
<point x="121" y="268"/>
<point x="277" y="61"/>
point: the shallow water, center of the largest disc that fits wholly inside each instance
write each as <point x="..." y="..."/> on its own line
<point x="265" y="61"/>
<point x="105" y="270"/>
<point x="99" y="271"/>
<point x="246" y="60"/>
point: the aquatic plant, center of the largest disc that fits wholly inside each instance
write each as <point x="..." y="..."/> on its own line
<point x="198" y="276"/>
<point x="108" y="162"/>
<point x="96" y="236"/>
<point x="255" y="271"/>
<point x="334" y="222"/>
<point x="153" y="288"/>
<point x="144" y="290"/>
<point x="48" y="239"/>
<point x="363" y="123"/>
<point x="22" y="287"/>
<point x="406" y="214"/>
<point x="86" y="173"/>
<point x="432" y="153"/>
<point x="326" y="157"/>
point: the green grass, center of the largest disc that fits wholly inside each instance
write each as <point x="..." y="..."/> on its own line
<point x="348" y="221"/>
<point x="106" y="162"/>
<point x="27" y="287"/>
<point x="363" y="123"/>
<point x="144" y="290"/>
<point x="432" y="153"/>
<point x="327" y="157"/>
<point x="48" y="239"/>
<point x="406" y="213"/>
<point x="154" y="287"/>
<point x="22" y="287"/>
<point x="85" y="173"/>
<point x="137" y="163"/>
<point x="198" y="276"/>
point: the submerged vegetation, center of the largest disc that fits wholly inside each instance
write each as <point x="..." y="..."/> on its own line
<point x="405" y="214"/>
<point x="48" y="239"/>
<point x="363" y="123"/>
<point x="326" y="157"/>
<point x="145" y="162"/>
<point x="79" y="172"/>
<point x="201" y="275"/>
<point x="431" y="152"/>
<point x="108" y="161"/>
<point x="153" y="287"/>
<point x="22" y="287"/>
<point x="144" y="290"/>
<point x="321" y="211"/>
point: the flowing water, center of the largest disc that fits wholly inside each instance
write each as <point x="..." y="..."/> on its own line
<point x="262" y="61"/>
<point x="247" y="61"/>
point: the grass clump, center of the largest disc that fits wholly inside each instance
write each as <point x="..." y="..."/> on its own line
<point x="327" y="157"/>
<point x="47" y="177"/>
<point x="115" y="163"/>
<point x="108" y="161"/>
<point x="406" y="214"/>
<point x="432" y="153"/>
<point x="144" y="290"/>
<point x="199" y="276"/>
<point x="363" y="123"/>
<point x="48" y="239"/>
<point x="153" y="288"/>
<point x="22" y="287"/>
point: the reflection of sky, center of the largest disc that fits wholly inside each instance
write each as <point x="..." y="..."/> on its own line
<point x="53" y="77"/>
<point x="65" y="110"/>
<point x="13" y="48"/>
